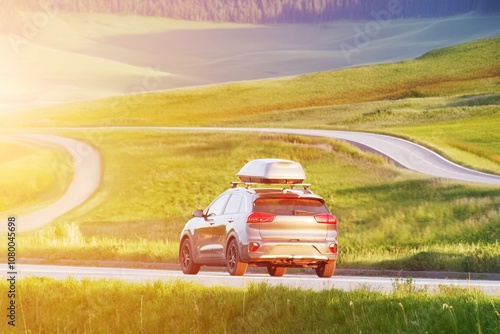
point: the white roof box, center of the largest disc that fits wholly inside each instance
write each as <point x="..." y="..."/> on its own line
<point x="272" y="171"/>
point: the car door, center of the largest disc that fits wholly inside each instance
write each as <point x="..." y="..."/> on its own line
<point x="206" y="240"/>
<point x="228" y="220"/>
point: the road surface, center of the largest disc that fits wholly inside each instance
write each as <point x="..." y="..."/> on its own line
<point x="207" y="278"/>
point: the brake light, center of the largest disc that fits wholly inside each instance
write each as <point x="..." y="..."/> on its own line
<point x="326" y="218"/>
<point x="260" y="217"/>
<point x="333" y="248"/>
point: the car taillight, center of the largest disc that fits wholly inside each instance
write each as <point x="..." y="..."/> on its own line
<point x="333" y="248"/>
<point x="260" y="217"/>
<point x="326" y="218"/>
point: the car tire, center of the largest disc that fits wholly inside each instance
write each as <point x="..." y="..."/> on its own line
<point x="186" y="258"/>
<point x="326" y="269"/>
<point x="234" y="265"/>
<point x="276" y="271"/>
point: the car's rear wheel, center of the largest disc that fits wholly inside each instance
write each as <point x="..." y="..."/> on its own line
<point x="276" y="271"/>
<point x="234" y="264"/>
<point x="186" y="259"/>
<point x="326" y="269"/>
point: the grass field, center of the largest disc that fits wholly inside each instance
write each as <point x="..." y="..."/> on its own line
<point x="82" y="56"/>
<point x="436" y="89"/>
<point x="437" y="73"/>
<point x="389" y="217"/>
<point x="180" y="307"/>
<point x="28" y="178"/>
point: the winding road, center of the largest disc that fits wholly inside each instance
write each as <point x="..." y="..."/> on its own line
<point x="87" y="163"/>
<point x="407" y="154"/>
<point x="86" y="180"/>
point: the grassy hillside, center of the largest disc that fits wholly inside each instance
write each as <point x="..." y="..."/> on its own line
<point x="28" y="176"/>
<point x="389" y="217"/>
<point x="89" y="56"/>
<point x="468" y="68"/>
<point x="429" y="100"/>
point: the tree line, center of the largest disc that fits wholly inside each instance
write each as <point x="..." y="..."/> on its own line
<point x="262" y="11"/>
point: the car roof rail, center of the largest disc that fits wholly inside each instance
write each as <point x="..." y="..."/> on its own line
<point x="247" y="185"/>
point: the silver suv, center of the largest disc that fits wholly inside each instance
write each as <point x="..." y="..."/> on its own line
<point x="273" y="227"/>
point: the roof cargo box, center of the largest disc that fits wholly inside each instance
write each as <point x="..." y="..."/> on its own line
<point x="272" y="171"/>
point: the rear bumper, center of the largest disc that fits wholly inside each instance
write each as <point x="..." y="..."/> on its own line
<point x="293" y="254"/>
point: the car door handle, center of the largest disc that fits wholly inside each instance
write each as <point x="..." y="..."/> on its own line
<point x="230" y="220"/>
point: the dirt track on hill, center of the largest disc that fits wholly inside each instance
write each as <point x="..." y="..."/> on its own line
<point x="86" y="180"/>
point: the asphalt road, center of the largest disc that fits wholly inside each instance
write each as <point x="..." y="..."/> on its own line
<point x="208" y="278"/>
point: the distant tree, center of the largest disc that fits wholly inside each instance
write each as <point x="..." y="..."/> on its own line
<point x="10" y="20"/>
<point x="261" y="11"/>
<point x="489" y="6"/>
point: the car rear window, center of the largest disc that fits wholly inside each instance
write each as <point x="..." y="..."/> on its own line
<point x="290" y="206"/>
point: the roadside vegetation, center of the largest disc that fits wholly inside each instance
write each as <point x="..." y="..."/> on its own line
<point x="389" y="217"/>
<point x="181" y="307"/>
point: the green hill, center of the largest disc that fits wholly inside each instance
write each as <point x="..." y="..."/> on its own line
<point x="470" y="68"/>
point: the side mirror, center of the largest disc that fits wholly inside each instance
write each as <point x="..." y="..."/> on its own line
<point x="198" y="214"/>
